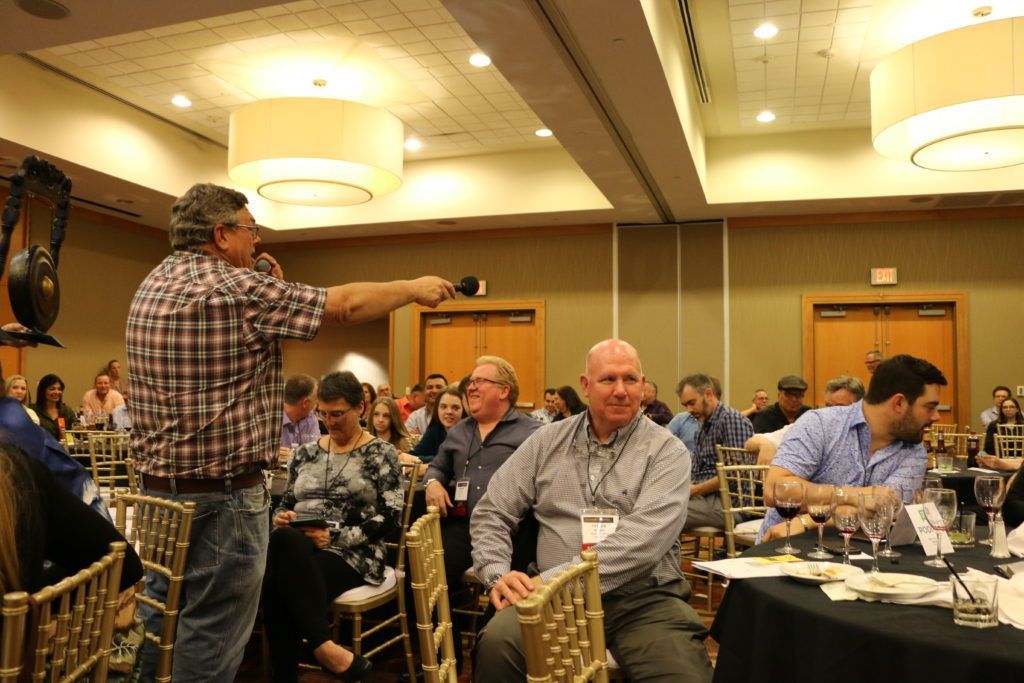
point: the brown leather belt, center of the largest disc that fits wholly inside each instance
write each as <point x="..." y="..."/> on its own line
<point x="227" y="485"/>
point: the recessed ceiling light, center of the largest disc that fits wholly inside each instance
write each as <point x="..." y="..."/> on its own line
<point x="181" y="101"/>
<point x="543" y="132"/>
<point x="413" y="145"/>
<point x="766" y="31"/>
<point x="766" y="116"/>
<point x="44" y="9"/>
<point x="479" y="59"/>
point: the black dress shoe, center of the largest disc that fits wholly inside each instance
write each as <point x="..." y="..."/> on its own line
<point x="360" y="667"/>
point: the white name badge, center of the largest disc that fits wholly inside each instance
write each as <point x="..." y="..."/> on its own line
<point x="913" y="523"/>
<point x="462" y="490"/>
<point x="597" y="524"/>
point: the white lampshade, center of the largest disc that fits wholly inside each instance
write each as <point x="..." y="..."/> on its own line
<point x="954" y="101"/>
<point x="315" y="151"/>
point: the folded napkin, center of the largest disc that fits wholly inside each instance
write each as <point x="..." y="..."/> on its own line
<point x="1010" y="599"/>
<point x="983" y="469"/>
<point x="1015" y="541"/>
<point x="942" y="596"/>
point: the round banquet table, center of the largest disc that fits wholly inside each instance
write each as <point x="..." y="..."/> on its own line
<point x="775" y="629"/>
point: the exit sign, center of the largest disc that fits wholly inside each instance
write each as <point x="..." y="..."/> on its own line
<point x="883" y="276"/>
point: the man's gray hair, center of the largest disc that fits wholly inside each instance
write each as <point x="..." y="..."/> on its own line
<point x="298" y="387"/>
<point x="851" y="384"/>
<point x="196" y="212"/>
<point x="700" y="383"/>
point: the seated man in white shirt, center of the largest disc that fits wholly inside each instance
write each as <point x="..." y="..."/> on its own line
<point x="844" y="390"/>
<point x="419" y="419"/>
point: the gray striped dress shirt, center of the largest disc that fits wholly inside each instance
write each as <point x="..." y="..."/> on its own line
<point x="643" y="472"/>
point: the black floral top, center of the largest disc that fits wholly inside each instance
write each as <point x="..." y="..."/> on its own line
<point x="360" y="490"/>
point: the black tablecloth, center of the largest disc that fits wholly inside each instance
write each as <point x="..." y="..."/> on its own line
<point x="776" y="630"/>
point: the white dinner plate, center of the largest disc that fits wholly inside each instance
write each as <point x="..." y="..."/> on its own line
<point x="828" y="572"/>
<point x="891" y="585"/>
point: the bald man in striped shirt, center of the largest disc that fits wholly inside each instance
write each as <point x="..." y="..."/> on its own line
<point x="613" y="459"/>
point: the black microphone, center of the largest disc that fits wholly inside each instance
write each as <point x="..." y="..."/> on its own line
<point x="468" y="285"/>
<point x="263" y="266"/>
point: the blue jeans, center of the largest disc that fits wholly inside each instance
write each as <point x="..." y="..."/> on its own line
<point x="221" y="591"/>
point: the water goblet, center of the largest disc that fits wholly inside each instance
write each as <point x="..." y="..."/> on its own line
<point x="990" y="492"/>
<point x="846" y="515"/>
<point x="789" y="494"/>
<point x="928" y="483"/>
<point x="818" y="498"/>
<point x="875" y="513"/>
<point x="897" y="507"/>
<point x="945" y="502"/>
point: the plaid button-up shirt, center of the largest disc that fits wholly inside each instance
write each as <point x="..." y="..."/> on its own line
<point x="203" y="342"/>
<point x="726" y="427"/>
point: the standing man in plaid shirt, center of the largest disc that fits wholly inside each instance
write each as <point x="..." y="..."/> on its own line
<point x="203" y="337"/>
<point x="720" y="425"/>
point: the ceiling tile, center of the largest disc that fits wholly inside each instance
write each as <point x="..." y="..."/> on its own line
<point x="817" y="19"/>
<point x="858" y="15"/>
<point x="316" y="17"/>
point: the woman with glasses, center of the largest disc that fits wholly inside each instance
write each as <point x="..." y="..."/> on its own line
<point x="568" y="403"/>
<point x="343" y="497"/>
<point x="1009" y="413"/>
<point x="447" y="411"/>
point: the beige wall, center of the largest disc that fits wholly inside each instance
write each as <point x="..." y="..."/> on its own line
<point x="100" y="267"/>
<point x="769" y="270"/>
<point x="572" y="273"/>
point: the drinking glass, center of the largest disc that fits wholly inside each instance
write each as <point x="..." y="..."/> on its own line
<point x="990" y="492"/>
<point x="875" y="513"/>
<point x="846" y="514"/>
<point x="788" y="497"/>
<point x="897" y="506"/>
<point x="818" y="498"/>
<point x="945" y="503"/>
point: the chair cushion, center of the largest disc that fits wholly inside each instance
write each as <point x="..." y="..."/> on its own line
<point x="749" y="527"/>
<point x="367" y="591"/>
<point x="704" y="531"/>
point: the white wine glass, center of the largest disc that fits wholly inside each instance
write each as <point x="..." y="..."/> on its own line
<point x="990" y="492"/>
<point x="819" y="501"/>
<point x="789" y="496"/>
<point x="875" y="513"/>
<point x="945" y="503"/>
<point x="846" y="515"/>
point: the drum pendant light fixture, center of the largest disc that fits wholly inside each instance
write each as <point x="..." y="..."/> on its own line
<point x="954" y="101"/>
<point x="315" y="151"/>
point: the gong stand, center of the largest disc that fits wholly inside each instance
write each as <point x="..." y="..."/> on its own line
<point x="32" y="280"/>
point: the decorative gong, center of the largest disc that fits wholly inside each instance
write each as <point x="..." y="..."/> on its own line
<point x="32" y="282"/>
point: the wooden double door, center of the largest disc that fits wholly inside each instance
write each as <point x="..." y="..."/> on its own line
<point x="840" y="329"/>
<point x="451" y="337"/>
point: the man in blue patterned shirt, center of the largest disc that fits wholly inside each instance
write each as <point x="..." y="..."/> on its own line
<point x="721" y="425"/>
<point x="874" y="442"/>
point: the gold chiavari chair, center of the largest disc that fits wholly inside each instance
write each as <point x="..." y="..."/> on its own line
<point x="159" y="531"/>
<point x="64" y="631"/>
<point x="430" y="597"/>
<point x="1009" y="446"/>
<point x="353" y="604"/>
<point x="108" y="453"/>
<point x="1010" y="429"/>
<point x="740" y="481"/>
<point x="943" y="428"/>
<point x="563" y="627"/>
